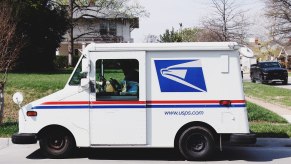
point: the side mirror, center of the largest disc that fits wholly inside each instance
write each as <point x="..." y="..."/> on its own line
<point x="85" y="65"/>
<point x="84" y="82"/>
<point x="247" y="52"/>
<point x="18" y="98"/>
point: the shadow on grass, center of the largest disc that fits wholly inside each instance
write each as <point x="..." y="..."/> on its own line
<point x="65" y="71"/>
<point x="9" y="124"/>
<point x="8" y="128"/>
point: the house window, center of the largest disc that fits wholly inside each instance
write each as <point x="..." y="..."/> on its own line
<point x="112" y="29"/>
<point x="108" y="28"/>
<point x="117" y="79"/>
<point x="103" y="28"/>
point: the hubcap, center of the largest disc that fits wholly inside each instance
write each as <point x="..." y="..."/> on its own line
<point x="56" y="142"/>
<point x="196" y="142"/>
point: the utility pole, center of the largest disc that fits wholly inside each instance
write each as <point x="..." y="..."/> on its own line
<point x="71" y="34"/>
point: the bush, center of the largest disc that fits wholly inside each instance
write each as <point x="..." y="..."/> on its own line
<point x="61" y="62"/>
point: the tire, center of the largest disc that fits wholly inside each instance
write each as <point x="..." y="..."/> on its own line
<point x="57" y="144"/>
<point x="196" y="143"/>
<point x="285" y="82"/>
<point x="262" y="81"/>
<point x="252" y="79"/>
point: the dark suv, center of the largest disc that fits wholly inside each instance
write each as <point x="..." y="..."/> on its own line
<point x="269" y="72"/>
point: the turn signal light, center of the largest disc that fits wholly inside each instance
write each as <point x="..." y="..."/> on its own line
<point x="226" y="103"/>
<point x="31" y="113"/>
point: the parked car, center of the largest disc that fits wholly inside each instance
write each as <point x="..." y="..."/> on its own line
<point x="266" y="72"/>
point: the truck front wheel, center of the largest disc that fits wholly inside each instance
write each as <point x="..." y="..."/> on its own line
<point x="196" y="143"/>
<point x="57" y="144"/>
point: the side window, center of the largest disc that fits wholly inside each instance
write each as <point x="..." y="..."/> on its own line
<point x="117" y="79"/>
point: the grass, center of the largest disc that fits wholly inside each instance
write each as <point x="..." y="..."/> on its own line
<point x="33" y="86"/>
<point x="268" y="93"/>
<point x="8" y="128"/>
<point x="266" y="123"/>
<point x="271" y="130"/>
<point x="259" y="114"/>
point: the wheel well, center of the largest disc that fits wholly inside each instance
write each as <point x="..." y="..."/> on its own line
<point x="195" y="123"/>
<point x="55" y="128"/>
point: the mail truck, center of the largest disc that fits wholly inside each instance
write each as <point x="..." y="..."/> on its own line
<point x="187" y="96"/>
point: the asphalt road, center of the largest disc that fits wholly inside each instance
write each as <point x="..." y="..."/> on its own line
<point x="247" y="78"/>
<point x="266" y="150"/>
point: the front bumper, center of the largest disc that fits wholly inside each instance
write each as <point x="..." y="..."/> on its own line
<point x="277" y="77"/>
<point x="243" y="139"/>
<point x="24" y="138"/>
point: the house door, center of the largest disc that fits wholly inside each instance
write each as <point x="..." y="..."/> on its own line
<point x="117" y="105"/>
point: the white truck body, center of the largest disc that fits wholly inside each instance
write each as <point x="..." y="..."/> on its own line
<point x="179" y="84"/>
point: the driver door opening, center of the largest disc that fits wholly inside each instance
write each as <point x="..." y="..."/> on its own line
<point x="118" y="103"/>
<point x="117" y="79"/>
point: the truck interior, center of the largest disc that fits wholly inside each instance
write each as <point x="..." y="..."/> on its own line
<point x="117" y="79"/>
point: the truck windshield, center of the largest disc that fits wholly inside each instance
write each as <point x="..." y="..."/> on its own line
<point x="76" y="78"/>
<point x="270" y="65"/>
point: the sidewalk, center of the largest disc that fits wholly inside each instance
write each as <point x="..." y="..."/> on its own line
<point x="284" y="112"/>
<point x="4" y="142"/>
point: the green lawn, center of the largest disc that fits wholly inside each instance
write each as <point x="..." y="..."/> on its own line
<point x="266" y="123"/>
<point x="259" y="114"/>
<point x="8" y="128"/>
<point x="268" y="93"/>
<point x="262" y="121"/>
<point x="33" y="86"/>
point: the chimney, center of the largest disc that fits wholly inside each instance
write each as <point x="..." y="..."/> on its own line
<point x="257" y="41"/>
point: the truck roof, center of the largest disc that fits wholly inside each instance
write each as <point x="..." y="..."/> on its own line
<point x="162" y="46"/>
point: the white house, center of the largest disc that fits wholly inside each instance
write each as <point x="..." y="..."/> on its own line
<point x="99" y="27"/>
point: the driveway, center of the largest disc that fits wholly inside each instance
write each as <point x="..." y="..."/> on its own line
<point x="266" y="150"/>
<point x="247" y="78"/>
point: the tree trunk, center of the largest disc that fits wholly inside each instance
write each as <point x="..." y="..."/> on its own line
<point x="70" y="50"/>
<point x="1" y="102"/>
<point x="71" y="35"/>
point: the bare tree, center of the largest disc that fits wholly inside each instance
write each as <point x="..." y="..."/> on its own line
<point x="279" y="11"/>
<point x="226" y="23"/>
<point x="98" y="9"/>
<point x="10" y="48"/>
<point x="150" y="38"/>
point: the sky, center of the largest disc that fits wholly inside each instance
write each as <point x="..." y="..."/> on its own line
<point x="165" y="14"/>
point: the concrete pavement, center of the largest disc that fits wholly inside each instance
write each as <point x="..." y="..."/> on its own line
<point x="267" y="150"/>
<point x="285" y="112"/>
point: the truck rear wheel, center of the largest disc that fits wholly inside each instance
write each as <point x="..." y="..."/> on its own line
<point x="196" y="143"/>
<point x="57" y="144"/>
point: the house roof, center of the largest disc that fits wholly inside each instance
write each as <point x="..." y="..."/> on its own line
<point x="93" y="12"/>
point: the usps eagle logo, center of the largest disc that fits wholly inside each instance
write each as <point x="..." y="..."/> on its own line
<point x="180" y="75"/>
